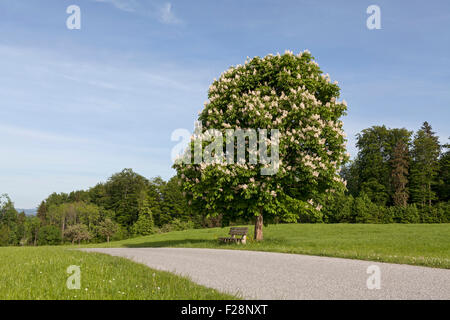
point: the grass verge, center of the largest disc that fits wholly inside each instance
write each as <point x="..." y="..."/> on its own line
<point x="41" y="273"/>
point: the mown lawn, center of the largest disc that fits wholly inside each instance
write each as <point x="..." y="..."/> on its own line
<point x="416" y="244"/>
<point x="41" y="273"/>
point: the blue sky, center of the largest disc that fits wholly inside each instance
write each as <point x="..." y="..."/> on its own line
<point x="79" y="105"/>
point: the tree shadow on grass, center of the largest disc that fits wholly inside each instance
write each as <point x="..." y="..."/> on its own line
<point x="171" y="243"/>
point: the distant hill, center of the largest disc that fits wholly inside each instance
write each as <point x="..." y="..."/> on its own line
<point x="28" y="212"/>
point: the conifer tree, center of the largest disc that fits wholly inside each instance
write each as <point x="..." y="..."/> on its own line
<point x="425" y="165"/>
<point x="443" y="188"/>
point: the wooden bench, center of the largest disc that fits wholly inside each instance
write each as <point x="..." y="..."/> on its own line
<point x="236" y="231"/>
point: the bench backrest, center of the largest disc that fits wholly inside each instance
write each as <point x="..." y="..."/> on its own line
<point x="239" y="231"/>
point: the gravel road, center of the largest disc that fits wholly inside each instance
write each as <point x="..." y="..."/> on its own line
<point x="268" y="275"/>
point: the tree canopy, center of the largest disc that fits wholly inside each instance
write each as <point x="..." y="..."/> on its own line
<point x="288" y="93"/>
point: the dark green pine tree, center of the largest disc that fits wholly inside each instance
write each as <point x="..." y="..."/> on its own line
<point x="425" y="165"/>
<point x="443" y="187"/>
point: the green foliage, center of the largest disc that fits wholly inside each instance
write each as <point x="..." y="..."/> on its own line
<point x="443" y="184"/>
<point x="371" y="172"/>
<point x="400" y="164"/>
<point x="121" y="234"/>
<point x="32" y="225"/>
<point x="439" y="213"/>
<point x="397" y="214"/>
<point x="177" y="225"/>
<point x="362" y="209"/>
<point x="4" y="235"/>
<point x="173" y="204"/>
<point x="49" y="235"/>
<point x="124" y="190"/>
<point x="155" y="199"/>
<point x="10" y="233"/>
<point x="285" y="92"/>
<point x="338" y="208"/>
<point x="410" y="214"/>
<point x="144" y="225"/>
<point x="106" y="210"/>
<point x="77" y="233"/>
<point x="392" y="170"/>
<point x="300" y="211"/>
<point x="107" y="229"/>
<point x="425" y="165"/>
<point x="341" y="208"/>
<point x="8" y="215"/>
<point x="375" y="191"/>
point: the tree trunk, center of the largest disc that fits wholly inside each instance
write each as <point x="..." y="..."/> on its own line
<point x="259" y="227"/>
<point x="107" y="237"/>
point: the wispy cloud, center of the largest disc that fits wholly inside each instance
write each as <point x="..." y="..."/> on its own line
<point x="39" y="135"/>
<point x="124" y="5"/>
<point x="164" y="13"/>
<point x="167" y="16"/>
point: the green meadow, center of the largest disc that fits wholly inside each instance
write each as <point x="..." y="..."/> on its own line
<point x="415" y="244"/>
<point x="41" y="274"/>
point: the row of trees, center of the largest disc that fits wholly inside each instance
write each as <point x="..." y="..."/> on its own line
<point x="126" y="205"/>
<point x="72" y="222"/>
<point x="396" y="177"/>
<point x="395" y="168"/>
<point x="15" y="227"/>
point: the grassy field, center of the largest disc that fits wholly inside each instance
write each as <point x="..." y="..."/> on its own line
<point x="40" y="273"/>
<point x="416" y="244"/>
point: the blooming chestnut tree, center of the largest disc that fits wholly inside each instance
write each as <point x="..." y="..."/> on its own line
<point x="284" y="94"/>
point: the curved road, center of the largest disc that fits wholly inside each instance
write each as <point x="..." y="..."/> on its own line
<point x="268" y="275"/>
